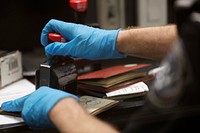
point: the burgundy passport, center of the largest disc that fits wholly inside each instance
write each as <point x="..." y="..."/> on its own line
<point x="111" y="71"/>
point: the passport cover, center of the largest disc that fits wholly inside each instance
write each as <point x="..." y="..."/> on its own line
<point x="111" y="81"/>
<point x="95" y="105"/>
<point x="111" y="71"/>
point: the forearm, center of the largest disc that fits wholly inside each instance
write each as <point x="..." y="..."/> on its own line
<point x="69" y="116"/>
<point x="147" y="42"/>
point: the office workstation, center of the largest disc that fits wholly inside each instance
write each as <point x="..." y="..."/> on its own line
<point x="87" y="74"/>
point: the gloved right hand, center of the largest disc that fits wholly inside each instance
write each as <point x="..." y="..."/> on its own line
<point x="83" y="41"/>
<point x="36" y="106"/>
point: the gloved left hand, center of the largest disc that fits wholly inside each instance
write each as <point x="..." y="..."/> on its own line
<point x="36" y="106"/>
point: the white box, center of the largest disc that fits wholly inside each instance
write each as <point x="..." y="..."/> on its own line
<point x="10" y="67"/>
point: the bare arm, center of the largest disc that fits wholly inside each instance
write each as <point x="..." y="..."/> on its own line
<point x="147" y="42"/>
<point x="69" y="116"/>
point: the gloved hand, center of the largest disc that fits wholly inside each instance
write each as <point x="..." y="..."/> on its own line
<point x="36" y="106"/>
<point x="83" y="41"/>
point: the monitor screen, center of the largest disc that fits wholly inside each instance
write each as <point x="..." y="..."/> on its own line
<point x="21" y="21"/>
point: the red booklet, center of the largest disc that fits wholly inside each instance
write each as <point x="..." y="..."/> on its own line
<point x="111" y="71"/>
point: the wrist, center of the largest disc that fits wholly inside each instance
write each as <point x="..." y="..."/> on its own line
<point x="120" y="41"/>
<point x="65" y="113"/>
<point x="69" y="116"/>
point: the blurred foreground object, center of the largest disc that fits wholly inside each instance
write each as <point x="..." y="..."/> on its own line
<point x="178" y="83"/>
<point x="173" y="102"/>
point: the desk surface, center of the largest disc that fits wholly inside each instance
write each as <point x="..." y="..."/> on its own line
<point x="131" y="109"/>
<point x="117" y="116"/>
<point x="142" y="118"/>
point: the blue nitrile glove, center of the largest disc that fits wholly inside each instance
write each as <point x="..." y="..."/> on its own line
<point x="83" y="41"/>
<point x="36" y="106"/>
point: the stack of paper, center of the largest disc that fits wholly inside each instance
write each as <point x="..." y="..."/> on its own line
<point x="13" y="91"/>
<point x="105" y="81"/>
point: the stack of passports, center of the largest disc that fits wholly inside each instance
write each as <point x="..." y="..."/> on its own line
<point x="106" y="80"/>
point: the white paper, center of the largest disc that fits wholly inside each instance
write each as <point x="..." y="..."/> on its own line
<point x="4" y="119"/>
<point x="16" y="90"/>
<point x="135" y="88"/>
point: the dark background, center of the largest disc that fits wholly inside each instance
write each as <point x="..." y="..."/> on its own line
<point x="21" y="21"/>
